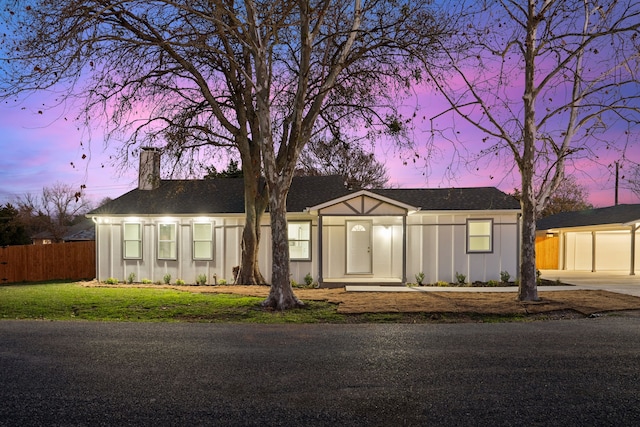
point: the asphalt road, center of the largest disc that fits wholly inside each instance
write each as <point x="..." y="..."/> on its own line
<point x="567" y="372"/>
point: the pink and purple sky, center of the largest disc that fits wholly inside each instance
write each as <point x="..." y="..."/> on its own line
<point x="41" y="146"/>
<point x="39" y="149"/>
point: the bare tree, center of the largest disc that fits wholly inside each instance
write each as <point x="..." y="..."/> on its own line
<point x="29" y="213"/>
<point x="631" y="180"/>
<point x="257" y="76"/>
<point x="346" y="158"/>
<point x="56" y="209"/>
<point x="547" y="82"/>
<point x="570" y="196"/>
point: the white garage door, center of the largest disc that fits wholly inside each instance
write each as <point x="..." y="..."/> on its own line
<point x="613" y="251"/>
<point x="578" y="251"/>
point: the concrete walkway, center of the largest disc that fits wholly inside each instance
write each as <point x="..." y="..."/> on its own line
<point x="399" y="288"/>
<point x="613" y="281"/>
<point x="616" y="281"/>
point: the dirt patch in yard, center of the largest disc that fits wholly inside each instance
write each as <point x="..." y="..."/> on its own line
<point x="500" y="303"/>
<point x="584" y="302"/>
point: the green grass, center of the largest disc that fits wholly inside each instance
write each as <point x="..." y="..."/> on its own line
<point x="69" y="301"/>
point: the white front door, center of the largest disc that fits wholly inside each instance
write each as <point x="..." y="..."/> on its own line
<point x="359" y="247"/>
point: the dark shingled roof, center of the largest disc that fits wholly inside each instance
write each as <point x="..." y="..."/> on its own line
<point x="225" y="195"/>
<point x="221" y="195"/>
<point x="83" y="231"/>
<point x="620" y="214"/>
<point x="449" y="199"/>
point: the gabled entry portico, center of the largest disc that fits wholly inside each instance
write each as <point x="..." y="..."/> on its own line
<point x="362" y="239"/>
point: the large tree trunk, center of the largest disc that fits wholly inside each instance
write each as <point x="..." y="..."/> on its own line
<point x="254" y="207"/>
<point x="528" y="288"/>
<point x="249" y="273"/>
<point x="281" y="296"/>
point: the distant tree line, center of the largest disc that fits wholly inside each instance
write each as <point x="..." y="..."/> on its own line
<point x="13" y="231"/>
<point x="52" y="212"/>
<point x="570" y="196"/>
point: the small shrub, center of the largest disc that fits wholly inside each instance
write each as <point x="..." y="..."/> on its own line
<point x="493" y="283"/>
<point x="442" y="283"/>
<point x="167" y="279"/>
<point x="294" y="284"/>
<point x="131" y="278"/>
<point x="202" y="279"/>
<point x="222" y="282"/>
<point x="461" y="279"/>
<point x="411" y="285"/>
<point x="158" y="282"/>
<point x="111" y="281"/>
<point x="420" y="278"/>
<point x="308" y="279"/>
<point x="538" y="278"/>
<point x="146" y="281"/>
<point x="179" y="282"/>
<point x="504" y="276"/>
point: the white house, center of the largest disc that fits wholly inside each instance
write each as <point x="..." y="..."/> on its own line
<point x="186" y="228"/>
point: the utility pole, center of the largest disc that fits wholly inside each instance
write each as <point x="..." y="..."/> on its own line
<point x="617" y="167"/>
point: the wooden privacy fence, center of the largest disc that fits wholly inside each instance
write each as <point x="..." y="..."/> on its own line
<point x="547" y="252"/>
<point x="35" y="263"/>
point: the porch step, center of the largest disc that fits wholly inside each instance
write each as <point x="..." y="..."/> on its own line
<point x="332" y="285"/>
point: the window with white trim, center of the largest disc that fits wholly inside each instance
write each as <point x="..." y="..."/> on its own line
<point x="132" y="241"/>
<point x="299" y="234"/>
<point x="203" y="241"/>
<point x="479" y="235"/>
<point x="167" y="241"/>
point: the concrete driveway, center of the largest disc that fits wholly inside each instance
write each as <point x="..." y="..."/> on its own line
<point x="613" y="281"/>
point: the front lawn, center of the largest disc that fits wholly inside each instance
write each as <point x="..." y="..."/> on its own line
<point x="72" y="301"/>
<point x="84" y="301"/>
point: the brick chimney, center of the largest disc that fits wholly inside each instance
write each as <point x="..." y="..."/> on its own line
<point x="149" y="172"/>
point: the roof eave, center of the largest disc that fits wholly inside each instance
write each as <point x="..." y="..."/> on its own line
<point x="316" y="208"/>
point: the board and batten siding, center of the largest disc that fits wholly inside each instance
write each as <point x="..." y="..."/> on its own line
<point x="227" y="233"/>
<point x="437" y="247"/>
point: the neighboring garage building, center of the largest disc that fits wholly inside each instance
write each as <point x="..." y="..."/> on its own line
<point x="604" y="239"/>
